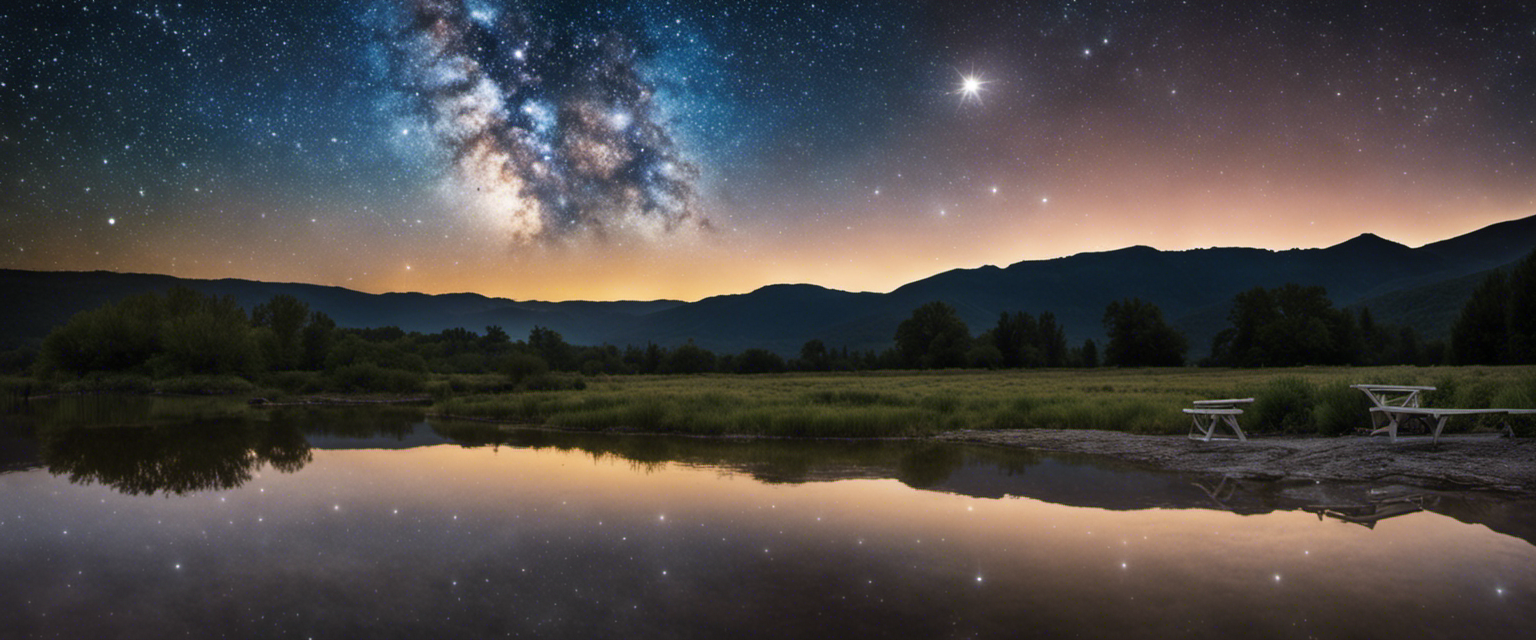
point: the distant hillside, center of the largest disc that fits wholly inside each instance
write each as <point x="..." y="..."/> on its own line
<point x="48" y="298"/>
<point x="1423" y="287"/>
<point x="1431" y="309"/>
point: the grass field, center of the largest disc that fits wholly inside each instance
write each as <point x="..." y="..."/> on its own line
<point x="895" y="404"/>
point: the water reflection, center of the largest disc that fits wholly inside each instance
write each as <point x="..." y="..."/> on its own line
<point x="143" y="445"/>
<point x="177" y="459"/>
<point x="484" y="532"/>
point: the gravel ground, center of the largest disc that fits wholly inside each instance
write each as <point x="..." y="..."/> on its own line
<point x="1457" y="462"/>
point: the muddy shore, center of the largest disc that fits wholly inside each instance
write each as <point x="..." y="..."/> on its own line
<point x="1457" y="462"/>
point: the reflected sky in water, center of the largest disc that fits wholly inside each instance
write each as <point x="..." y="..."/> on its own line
<point x="547" y="536"/>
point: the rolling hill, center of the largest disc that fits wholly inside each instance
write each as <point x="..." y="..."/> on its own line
<point x="1423" y="287"/>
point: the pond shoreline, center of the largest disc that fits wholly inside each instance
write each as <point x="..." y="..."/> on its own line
<point x="1457" y="462"/>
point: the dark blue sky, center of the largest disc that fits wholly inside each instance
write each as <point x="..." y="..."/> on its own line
<point x="654" y="148"/>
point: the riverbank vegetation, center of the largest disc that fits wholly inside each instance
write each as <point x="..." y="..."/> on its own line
<point x="936" y="376"/>
<point x="1305" y="400"/>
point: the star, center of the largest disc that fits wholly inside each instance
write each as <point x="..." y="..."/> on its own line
<point x="971" y="85"/>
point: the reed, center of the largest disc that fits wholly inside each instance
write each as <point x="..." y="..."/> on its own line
<point x="909" y="404"/>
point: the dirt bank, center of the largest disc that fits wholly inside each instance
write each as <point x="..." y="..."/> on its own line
<point x="1502" y="464"/>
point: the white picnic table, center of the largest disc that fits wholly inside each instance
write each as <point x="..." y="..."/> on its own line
<point x="1389" y="395"/>
<point x="1396" y="403"/>
<point x="1392" y="395"/>
<point x="1209" y="414"/>
<point x="1439" y="416"/>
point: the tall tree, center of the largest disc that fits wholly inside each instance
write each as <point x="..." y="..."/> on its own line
<point x="1138" y="336"/>
<point x="813" y="356"/>
<point x="316" y="340"/>
<point x="934" y="337"/>
<point x="1051" y="340"/>
<point x="552" y="347"/>
<point x="1008" y="337"/>
<point x="1522" y="312"/>
<point x="1481" y="333"/>
<point x="1286" y="326"/>
<point x="285" y="316"/>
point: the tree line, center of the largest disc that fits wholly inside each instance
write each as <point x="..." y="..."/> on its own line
<point x="186" y="333"/>
<point x="283" y="342"/>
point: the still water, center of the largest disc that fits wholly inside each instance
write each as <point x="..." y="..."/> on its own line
<point x="159" y="518"/>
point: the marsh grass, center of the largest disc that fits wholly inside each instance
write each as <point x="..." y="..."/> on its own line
<point x="901" y="404"/>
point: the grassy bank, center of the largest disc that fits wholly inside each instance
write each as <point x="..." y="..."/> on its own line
<point x="891" y="404"/>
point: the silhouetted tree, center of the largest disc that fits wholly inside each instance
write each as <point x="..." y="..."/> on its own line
<point x="204" y="335"/>
<point x="813" y="356"/>
<point x="1138" y="337"/>
<point x="1522" y="312"/>
<point x="1286" y="326"/>
<point x="522" y="366"/>
<point x="284" y="315"/>
<point x="758" y="361"/>
<point x="1481" y="333"/>
<point x="1008" y="337"/>
<point x="495" y="339"/>
<point x="653" y="358"/>
<point x="688" y="358"/>
<point x="317" y="338"/>
<point x="552" y="347"/>
<point x="1051" y="340"/>
<point x="934" y="337"/>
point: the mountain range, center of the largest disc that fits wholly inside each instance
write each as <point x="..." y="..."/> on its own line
<point x="1423" y="287"/>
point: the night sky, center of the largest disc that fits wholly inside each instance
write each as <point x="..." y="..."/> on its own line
<point x="653" y="148"/>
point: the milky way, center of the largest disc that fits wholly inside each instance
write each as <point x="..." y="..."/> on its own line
<point x="542" y="131"/>
<point x="566" y="149"/>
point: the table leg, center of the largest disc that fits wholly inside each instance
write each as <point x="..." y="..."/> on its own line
<point x="1206" y="428"/>
<point x="1232" y="422"/>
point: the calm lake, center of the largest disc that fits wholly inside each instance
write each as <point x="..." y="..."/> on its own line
<point x="159" y="517"/>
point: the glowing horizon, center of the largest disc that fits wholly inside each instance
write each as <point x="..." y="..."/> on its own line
<point x="653" y="149"/>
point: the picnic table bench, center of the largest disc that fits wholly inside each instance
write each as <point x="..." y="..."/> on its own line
<point x="1209" y="414"/>
<point x="1395" y="415"/>
<point x="1398" y="403"/>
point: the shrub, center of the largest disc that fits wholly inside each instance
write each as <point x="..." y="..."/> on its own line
<point x="554" y="382"/>
<point x="295" y="381"/>
<point x="1340" y="410"/>
<point x="1285" y="405"/>
<point x="440" y="390"/>
<point x="367" y="376"/>
<point x="110" y="383"/>
<point x="521" y="366"/>
<point x="204" y="385"/>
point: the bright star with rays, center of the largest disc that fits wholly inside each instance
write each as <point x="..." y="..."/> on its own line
<point x="971" y="85"/>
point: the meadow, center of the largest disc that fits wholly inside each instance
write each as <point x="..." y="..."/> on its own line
<point x="1303" y="400"/>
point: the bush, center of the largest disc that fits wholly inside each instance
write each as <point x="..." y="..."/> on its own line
<point x="109" y="383"/>
<point x="1340" y="410"/>
<point x="295" y="381"/>
<point x="367" y="376"/>
<point x="521" y="366"/>
<point x="440" y="390"/>
<point x="554" y="382"/>
<point x="204" y="385"/>
<point x="1285" y="405"/>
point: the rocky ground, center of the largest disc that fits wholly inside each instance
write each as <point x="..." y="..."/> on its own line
<point x="1456" y="462"/>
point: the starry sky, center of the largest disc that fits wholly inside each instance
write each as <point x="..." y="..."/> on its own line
<point x="638" y="149"/>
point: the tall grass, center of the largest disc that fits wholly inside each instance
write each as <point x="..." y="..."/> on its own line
<point x="902" y="404"/>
